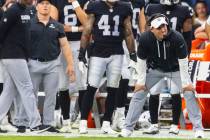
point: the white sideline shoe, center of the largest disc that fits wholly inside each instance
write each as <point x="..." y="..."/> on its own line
<point x="199" y="134"/>
<point x="83" y="127"/>
<point x="174" y="129"/>
<point x="106" y="128"/>
<point x="66" y="128"/>
<point x="153" y="129"/>
<point x="125" y="133"/>
<point x="119" y="119"/>
<point x="8" y="127"/>
<point x="75" y="124"/>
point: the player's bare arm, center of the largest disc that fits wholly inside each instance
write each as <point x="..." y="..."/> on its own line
<point x="207" y="30"/>
<point x="81" y="15"/>
<point x="142" y="21"/>
<point x="69" y="57"/>
<point x="68" y="28"/>
<point x="86" y="34"/>
<point x="129" y="38"/>
<point x="54" y="12"/>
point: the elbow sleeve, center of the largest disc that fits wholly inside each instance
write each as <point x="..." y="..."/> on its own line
<point x="208" y="20"/>
<point x="141" y="70"/>
<point x="185" y="77"/>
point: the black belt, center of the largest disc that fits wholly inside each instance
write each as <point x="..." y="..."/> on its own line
<point x="41" y="59"/>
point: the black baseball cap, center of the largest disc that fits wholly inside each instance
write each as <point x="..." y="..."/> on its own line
<point x="38" y="1"/>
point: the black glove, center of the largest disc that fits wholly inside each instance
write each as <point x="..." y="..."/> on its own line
<point x="81" y="56"/>
<point x="133" y="56"/>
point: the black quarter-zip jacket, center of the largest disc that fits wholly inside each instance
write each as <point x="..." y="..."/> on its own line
<point x="162" y="55"/>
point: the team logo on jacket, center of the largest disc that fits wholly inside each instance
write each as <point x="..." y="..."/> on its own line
<point x="25" y="18"/>
<point x="52" y="26"/>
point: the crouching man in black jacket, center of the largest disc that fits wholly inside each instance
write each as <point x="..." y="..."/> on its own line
<point x="162" y="52"/>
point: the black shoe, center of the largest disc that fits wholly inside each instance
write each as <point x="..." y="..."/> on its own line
<point x="53" y="130"/>
<point x="3" y="131"/>
<point x="21" y="129"/>
<point x="40" y="128"/>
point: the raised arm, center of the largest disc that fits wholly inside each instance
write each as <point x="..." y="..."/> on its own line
<point x="54" y="12"/>
<point x="86" y="34"/>
<point x="81" y="15"/>
<point x="142" y="21"/>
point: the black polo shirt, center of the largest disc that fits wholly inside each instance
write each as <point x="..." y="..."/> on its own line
<point x="14" y="32"/>
<point x="45" y="39"/>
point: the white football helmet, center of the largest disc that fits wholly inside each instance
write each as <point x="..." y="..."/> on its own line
<point x="169" y="2"/>
<point x="145" y="120"/>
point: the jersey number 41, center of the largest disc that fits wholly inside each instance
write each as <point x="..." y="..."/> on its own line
<point x="103" y="24"/>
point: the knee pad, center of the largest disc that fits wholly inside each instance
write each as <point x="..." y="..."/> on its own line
<point x="114" y="80"/>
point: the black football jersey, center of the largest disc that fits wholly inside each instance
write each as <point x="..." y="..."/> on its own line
<point x="68" y="16"/>
<point x="137" y="6"/>
<point x="176" y="14"/>
<point x="108" y="28"/>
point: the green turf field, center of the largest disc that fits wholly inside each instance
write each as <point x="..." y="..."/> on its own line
<point x="77" y="138"/>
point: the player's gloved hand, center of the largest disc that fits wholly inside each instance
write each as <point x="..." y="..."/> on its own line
<point x="82" y="67"/>
<point x="132" y="63"/>
<point x="82" y="60"/>
<point x="133" y="56"/>
<point x="133" y="60"/>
